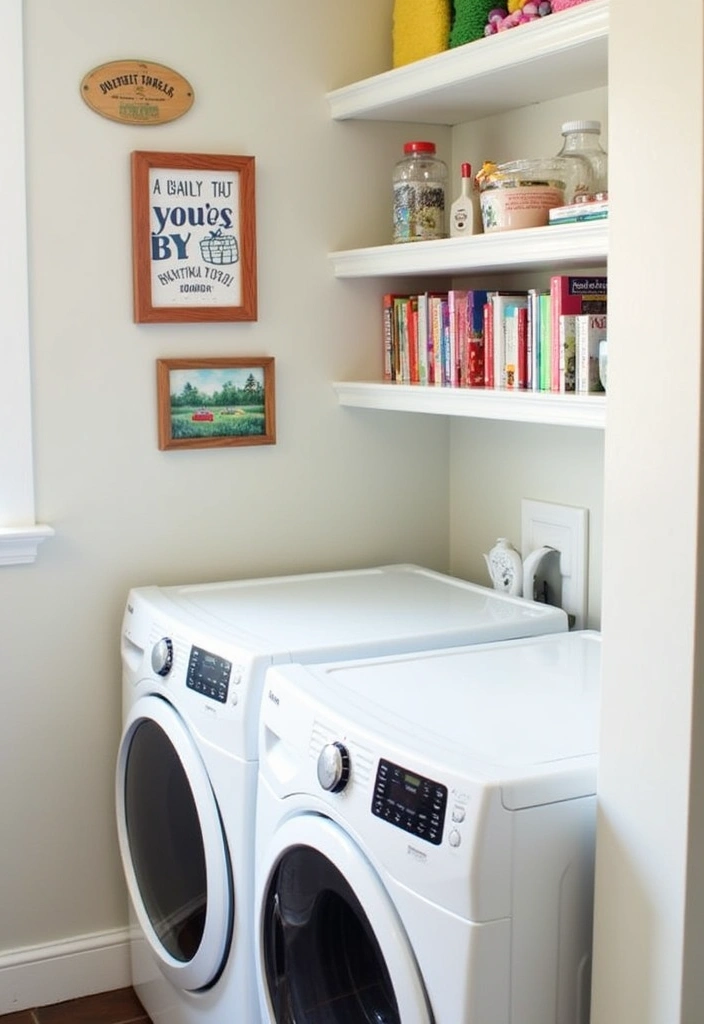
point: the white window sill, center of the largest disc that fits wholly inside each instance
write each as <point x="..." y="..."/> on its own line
<point x="18" y="544"/>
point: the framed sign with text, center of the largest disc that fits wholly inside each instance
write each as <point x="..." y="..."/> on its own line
<point x="193" y="238"/>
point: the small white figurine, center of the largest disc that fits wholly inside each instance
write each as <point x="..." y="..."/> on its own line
<point x="505" y="567"/>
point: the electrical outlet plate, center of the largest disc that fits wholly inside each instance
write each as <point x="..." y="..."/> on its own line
<point x="564" y="528"/>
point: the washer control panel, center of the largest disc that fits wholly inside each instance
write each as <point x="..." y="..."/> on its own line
<point x="208" y="674"/>
<point x="409" y="801"/>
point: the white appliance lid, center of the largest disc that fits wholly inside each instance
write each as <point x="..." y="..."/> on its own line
<point x="388" y="608"/>
<point x="509" y="708"/>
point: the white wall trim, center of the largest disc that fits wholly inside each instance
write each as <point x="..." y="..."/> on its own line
<point x="16" y="464"/>
<point x="19" y="544"/>
<point x="39" y="975"/>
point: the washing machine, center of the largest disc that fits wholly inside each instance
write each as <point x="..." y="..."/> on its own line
<point x="425" y="836"/>
<point x="194" y="663"/>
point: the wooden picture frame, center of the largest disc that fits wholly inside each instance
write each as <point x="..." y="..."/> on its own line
<point x="193" y="238"/>
<point x="215" y="403"/>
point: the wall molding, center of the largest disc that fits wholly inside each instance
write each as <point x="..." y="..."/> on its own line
<point x="69" y="969"/>
<point x="17" y="507"/>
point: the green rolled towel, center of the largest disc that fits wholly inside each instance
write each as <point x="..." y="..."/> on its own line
<point x="468" y="20"/>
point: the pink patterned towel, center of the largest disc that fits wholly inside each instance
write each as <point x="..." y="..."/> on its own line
<point x="562" y="5"/>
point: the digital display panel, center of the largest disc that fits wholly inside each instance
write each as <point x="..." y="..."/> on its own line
<point x="208" y="674"/>
<point x="410" y="801"/>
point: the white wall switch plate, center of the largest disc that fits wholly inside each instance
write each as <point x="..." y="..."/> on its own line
<point x="564" y="528"/>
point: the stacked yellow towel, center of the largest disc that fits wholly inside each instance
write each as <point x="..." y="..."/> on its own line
<point x="421" y="28"/>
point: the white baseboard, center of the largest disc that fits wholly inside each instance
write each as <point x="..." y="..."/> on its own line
<point x="39" y="975"/>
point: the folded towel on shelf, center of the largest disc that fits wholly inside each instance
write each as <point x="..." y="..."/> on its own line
<point x="562" y="5"/>
<point x="421" y="28"/>
<point x="469" y="19"/>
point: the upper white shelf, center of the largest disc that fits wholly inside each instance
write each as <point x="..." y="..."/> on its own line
<point x="563" y="245"/>
<point x="554" y="56"/>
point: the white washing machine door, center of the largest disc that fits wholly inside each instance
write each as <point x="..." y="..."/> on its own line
<point x="331" y="948"/>
<point x="173" y="849"/>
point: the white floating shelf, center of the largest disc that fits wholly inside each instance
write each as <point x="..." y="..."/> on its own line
<point x="516" y="406"/>
<point x="555" y="56"/>
<point x="560" y="245"/>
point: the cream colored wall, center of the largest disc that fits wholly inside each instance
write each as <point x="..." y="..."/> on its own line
<point x="494" y="465"/>
<point x="340" y="488"/>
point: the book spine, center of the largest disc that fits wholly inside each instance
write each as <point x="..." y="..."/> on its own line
<point x="398" y="341"/>
<point x="499" y="343"/>
<point x="590" y="329"/>
<point x="388" y="336"/>
<point x="403" y="374"/>
<point x="475" y="338"/>
<point x="557" y="283"/>
<point x="567" y="353"/>
<point x="423" y="338"/>
<point x="522" y="331"/>
<point x="436" y="331"/>
<point x="446" y="367"/>
<point x="488" y="318"/>
<point x="462" y="342"/>
<point x="510" y="375"/>
<point x="579" y="218"/>
<point x="579" y="211"/>
<point x="412" y="312"/>
<point x="533" y="326"/>
<point x="455" y="302"/>
<point x="544" y="342"/>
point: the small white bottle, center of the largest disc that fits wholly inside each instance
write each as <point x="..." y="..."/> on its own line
<point x="462" y="210"/>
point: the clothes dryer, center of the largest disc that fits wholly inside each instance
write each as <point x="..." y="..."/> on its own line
<point x="425" y="836"/>
<point x="194" y="664"/>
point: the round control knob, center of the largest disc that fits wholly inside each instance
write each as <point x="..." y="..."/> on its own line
<point x="334" y="767"/>
<point x="163" y="656"/>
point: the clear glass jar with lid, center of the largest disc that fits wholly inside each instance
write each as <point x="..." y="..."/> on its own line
<point x="581" y="146"/>
<point x="420" y="194"/>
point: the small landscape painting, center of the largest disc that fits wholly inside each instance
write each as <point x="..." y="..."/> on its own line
<point x="215" y="403"/>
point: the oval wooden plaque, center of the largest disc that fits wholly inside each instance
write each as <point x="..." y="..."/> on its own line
<point x="137" y="92"/>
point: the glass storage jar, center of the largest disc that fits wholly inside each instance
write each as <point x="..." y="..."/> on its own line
<point x="588" y="161"/>
<point x="420" y="187"/>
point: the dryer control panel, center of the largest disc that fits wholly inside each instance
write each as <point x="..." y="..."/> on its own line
<point x="409" y="801"/>
<point x="208" y="674"/>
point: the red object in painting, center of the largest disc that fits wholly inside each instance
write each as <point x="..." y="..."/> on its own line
<point x="202" y="414"/>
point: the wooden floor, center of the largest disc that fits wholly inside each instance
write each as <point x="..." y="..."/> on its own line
<point x="119" y="1007"/>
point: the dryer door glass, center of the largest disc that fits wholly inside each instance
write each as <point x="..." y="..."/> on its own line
<point x="322" y="960"/>
<point x="165" y="841"/>
<point x="173" y="848"/>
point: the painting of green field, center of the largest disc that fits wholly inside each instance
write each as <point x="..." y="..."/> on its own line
<point x="215" y="421"/>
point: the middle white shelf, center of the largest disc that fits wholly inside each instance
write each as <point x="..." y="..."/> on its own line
<point x="559" y="245"/>
<point x="565" y="410"/>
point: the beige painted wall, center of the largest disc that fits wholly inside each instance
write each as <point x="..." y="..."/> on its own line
<point x="564" y="466"/>
<point x="522" y="460"/>
<point x="337" y="489"/>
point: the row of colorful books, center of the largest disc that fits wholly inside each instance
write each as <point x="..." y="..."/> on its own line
<point x="535" y="340"/>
